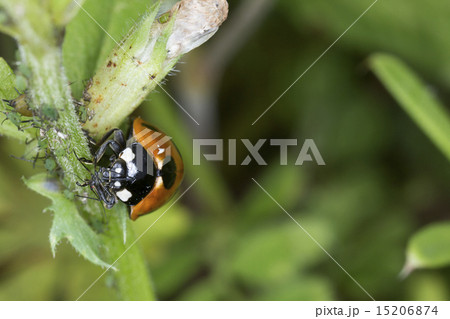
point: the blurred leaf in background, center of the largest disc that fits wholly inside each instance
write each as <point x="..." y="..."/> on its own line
<point x="414" y="97"/>
<point x="429" y="248"/>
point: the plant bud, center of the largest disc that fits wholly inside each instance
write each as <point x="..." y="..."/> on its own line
<point x="145" y="56"/>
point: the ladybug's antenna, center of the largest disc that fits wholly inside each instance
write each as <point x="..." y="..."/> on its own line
<point x="87" y="197"/>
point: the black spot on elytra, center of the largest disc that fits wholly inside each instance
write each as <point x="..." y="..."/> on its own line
<point x="169" y="172"/>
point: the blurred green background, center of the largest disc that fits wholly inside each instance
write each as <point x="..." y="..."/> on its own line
<point x="227" y="240"/>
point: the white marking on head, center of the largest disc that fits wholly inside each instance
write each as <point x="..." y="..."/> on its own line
<point x="127" y="155"/>
<point x="124" y="195"/>
<point x="118" y="170"/>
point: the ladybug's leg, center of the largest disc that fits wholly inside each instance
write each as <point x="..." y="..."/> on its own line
<point x="82" y="184"/>
<point x="116" y="145"/>
<point x="120" y="139"/>
<point x="85" y="160"/>
<point x="89" y="138"/>
<point x="107" y="135"/>
<point x="113" y="145"/>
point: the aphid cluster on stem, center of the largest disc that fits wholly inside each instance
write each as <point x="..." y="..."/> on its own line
<point x="20" y="114"/>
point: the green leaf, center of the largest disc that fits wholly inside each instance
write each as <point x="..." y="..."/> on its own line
<point x="428" y="248"/>
<point x="86" y="44"/>
<point x="67" y="223"/>
<point x="64" y="10"/>
<point x="411" y="93"/>
<point x="7" y="92"/>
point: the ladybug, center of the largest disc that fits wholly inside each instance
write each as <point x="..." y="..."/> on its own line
<point x="144" y="172"/>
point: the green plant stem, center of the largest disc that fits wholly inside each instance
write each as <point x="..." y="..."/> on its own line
<point x="48" y="85"/>
<point x="131" y="277"/>
<point x="129" y="74"/>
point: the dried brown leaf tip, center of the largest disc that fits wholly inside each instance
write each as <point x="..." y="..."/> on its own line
<point x="196" y="22"/>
